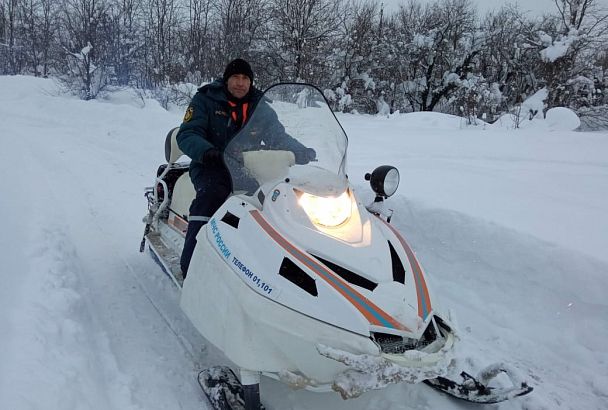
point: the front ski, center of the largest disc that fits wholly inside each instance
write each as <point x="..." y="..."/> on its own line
<point x="476" y="390"/>
<point x="222" y="388"/>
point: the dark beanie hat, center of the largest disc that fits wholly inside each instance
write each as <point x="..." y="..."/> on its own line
<point x="238" y="66"/>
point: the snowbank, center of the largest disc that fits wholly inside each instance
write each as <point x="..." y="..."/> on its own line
<point x="562" y="119"/>
<point x="423" y="120"/>
<point x="531" y="115"/>
<point x="557" y="119"/>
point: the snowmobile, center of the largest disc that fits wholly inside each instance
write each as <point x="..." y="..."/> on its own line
<point x="294" y="278"/>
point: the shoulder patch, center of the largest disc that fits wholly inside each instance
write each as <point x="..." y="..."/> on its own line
<point x="189" y="113"/>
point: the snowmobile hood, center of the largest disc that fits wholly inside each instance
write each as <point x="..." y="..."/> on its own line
<point x="364" y="264"/>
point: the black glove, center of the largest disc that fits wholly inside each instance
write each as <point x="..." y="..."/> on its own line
<point x="212" y="156"/>
<point x="305" y="156"/>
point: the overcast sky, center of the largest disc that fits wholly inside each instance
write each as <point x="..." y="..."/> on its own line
<point x="533" y="6"/>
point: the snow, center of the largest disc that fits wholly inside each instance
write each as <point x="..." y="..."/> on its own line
<point x="531" y="115"/>
<point x="509" y="224"/>
<point x="533" y="106"/>
<point x="556" y="119"/>
<point x="559" y="48"/>
<point x="83" y="53"/>
<point x="370" y="372"/>
<point x="562" y="119"/>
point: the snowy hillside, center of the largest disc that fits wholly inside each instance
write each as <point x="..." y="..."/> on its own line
<point x="510" y="226"/>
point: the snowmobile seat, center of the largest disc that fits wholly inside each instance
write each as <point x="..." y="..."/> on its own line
<point x="182" y="191"/>
<point x="183" y="195"/>
<point x="172" y="151"/>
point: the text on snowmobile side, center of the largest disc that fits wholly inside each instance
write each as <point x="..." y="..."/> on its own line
<point x="254" y="278"/>
<point x="218" y="240"/>
<point x="225" y="251"/>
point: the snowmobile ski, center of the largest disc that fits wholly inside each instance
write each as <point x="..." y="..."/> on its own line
<point x="476" y="390"/>
<point x="223" y="388"/>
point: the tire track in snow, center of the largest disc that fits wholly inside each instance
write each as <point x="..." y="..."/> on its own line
<point x="56" y="356"/>
<point x="137" y="356"/>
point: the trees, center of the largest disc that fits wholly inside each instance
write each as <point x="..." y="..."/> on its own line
<point x="197" y="40"/>
<point x="27" y="29"/>
<point x="434" y="48"/>
<point x="579" y="30"/>
<point x="122" y="29"/>
<point x="435" y="55"/>
<point x="10" y="33"/>
<point x="350" y="62"/>
<point x="85" y="46"/>
<point x="509" y="59"/>
<point x="160" y="34"/>
<point x="299" y="35"/>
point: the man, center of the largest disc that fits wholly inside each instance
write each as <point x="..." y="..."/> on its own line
<point x="216" y="113"/>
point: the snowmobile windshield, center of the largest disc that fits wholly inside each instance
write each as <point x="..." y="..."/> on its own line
<point x="292" y="132"/>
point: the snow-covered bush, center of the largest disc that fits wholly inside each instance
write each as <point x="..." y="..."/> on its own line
<point x="84" y="78"/>
<point x="172" y="95"/>
<point x="593" y="118"/>
<point x="476" y="98"/>
<point x="383" y="108"/>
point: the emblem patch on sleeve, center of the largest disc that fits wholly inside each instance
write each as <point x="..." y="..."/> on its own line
<point x="189" y="113"/>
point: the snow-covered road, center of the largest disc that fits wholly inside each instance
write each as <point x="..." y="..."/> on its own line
<point x="509" y="225"/>
<point x="82" y="330"/>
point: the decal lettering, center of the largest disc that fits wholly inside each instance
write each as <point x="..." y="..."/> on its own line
<point x="253" y="278"/>
<point x="219" y="242"/>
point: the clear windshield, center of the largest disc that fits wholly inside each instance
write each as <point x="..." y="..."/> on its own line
<point x="291" y="127"/>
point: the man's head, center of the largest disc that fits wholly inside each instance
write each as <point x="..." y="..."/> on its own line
<point x="238" y="77"/>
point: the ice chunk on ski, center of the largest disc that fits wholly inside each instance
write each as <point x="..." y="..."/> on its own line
<point x="477" y="389"/>
<point x="371" y="373"/>
<point x="367" y="372"/>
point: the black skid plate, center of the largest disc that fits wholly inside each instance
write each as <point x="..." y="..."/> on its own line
<point x="222" y="388"/>
<point x="471" y="390"/>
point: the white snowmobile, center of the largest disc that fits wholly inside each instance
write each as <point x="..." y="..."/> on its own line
<point x="295" y="279"/>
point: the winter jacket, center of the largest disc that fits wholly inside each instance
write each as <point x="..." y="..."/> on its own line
<point x="208" y="124"/>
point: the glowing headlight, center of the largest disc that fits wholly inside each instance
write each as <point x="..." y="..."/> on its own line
<point x="327" y="211"/>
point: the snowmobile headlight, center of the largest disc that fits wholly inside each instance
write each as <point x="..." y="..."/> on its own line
<point x="384" y="180"/>
<point x="327" y="211"/>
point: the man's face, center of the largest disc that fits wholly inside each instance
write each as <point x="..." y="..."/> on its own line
<point x="238" y="85"/>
